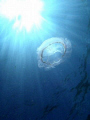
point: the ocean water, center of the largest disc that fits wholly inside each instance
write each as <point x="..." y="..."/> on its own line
<point x="30" y="92"/>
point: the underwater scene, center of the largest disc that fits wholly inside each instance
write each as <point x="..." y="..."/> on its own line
<point x="44" y="59"/>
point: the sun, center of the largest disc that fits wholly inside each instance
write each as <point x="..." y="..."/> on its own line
<point x="24" y="13"/>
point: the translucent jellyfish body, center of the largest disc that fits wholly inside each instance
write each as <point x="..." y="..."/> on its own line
<point x="53" y="51"/>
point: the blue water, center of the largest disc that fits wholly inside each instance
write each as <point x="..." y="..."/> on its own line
<point x="28" y="92"/>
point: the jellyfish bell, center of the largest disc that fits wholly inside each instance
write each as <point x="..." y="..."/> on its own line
<point x="53" y="51"/>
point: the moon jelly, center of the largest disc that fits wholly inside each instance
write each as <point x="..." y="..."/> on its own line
<point x="53" y="51"/>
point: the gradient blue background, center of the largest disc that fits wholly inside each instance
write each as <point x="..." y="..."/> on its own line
<point x="28" y="92"/>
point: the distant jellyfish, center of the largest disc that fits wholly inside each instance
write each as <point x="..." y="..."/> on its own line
<point x="53" y="51"/>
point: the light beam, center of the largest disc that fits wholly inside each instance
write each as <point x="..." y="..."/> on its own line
<point x="25" y="13"/>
